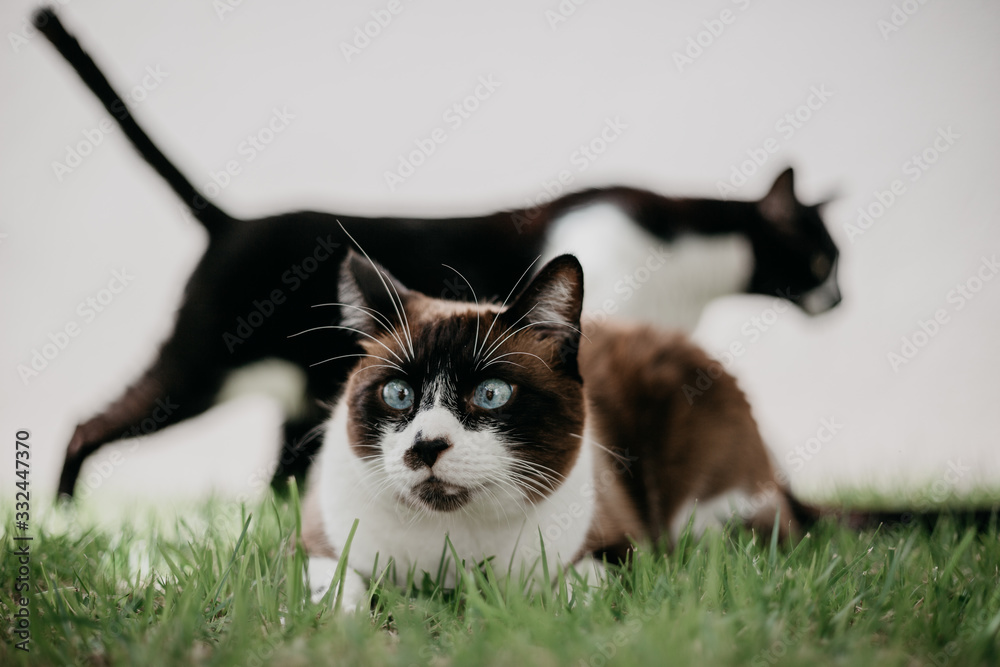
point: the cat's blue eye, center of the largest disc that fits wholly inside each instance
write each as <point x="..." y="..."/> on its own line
<point x="398" y="395"/>
<point x="492" y="394"/>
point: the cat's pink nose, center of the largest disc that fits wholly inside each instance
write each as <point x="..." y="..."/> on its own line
<point x="425" y="452"/>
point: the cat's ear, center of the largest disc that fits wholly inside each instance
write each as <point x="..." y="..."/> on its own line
<point x="779" y="205"/>
<point x="369" y="294"/>
<point x="553" y="301"/>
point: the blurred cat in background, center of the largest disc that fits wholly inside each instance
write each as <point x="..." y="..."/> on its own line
<point x="260" y="281"/>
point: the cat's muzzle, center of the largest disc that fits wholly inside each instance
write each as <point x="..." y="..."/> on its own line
<point x="440" y="495"/>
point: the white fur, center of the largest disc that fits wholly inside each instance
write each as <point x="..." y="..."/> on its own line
<point x="714" y="513"/>
<point x="320" y="574"/>
<point x="495" y="523"/>
<point x="823" y="297"/>
<point x="673" y="282"/>
<point x="279" y="379"/>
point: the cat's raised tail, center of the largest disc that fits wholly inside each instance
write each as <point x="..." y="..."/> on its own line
<point x="209" y="215"/>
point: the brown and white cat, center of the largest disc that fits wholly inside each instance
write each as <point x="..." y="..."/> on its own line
<point x="499" y="426"/>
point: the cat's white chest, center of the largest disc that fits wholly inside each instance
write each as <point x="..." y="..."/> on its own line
<point x="415" y="538"/>
<point x="631" y="274"/>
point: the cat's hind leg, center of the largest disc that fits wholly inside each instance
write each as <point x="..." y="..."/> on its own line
<point x="179" y="385"/>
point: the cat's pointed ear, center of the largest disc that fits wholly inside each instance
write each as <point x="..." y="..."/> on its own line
<point x="553" y="301"/>
<point x="369" y="294"/>
<point x="779" y="205"/>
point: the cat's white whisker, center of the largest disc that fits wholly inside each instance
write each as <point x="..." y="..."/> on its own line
<point x="506" y="486"/>
<point x="535" y="467"/>
<point x="475" y="342"/>
<point x="541" y="480"/>
<point x="512" y="363"/>
<point x="530" y="484"/>
<point x="310" y="435"/>
<point x="352" y="329"/>
<point x="379" y="318"/>
<point x="505" y="483"/>
<point x="621" y="458"/>
<point x="504" y="305"/>
<point x="497" y="505"/>
<point x="370" y="367"/>
<point x="400" y="310"/>
<point x="373" y="356"/>
<point x="506" y="331"/>
<point x="494" y="360"/>
<point x="528" y="326"/>
<point x="376" y="494"/>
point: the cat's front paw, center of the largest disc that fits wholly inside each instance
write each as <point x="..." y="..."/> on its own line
<point x="592" y="575"/>
<point x="320" y="573"/>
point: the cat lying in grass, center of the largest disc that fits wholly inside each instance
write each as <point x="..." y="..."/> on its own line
<point x="500" y="426"/>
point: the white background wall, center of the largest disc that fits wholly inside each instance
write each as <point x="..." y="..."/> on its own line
<point x="687" y="127"/>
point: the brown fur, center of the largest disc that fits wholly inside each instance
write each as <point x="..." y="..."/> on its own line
<point x="314" y="540"/>
<point x="666" y="449"/>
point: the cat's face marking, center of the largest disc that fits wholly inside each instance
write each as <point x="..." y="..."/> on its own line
<point x="461" y="406"/>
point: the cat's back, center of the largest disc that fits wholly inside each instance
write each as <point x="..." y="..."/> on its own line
<point x="628" y="367"/>
<point x="677" y="425"/>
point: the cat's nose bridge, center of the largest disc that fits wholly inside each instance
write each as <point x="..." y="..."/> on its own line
<point x="436" y="423"/>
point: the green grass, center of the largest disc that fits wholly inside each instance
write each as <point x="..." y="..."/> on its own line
<point x="219" y="586"/>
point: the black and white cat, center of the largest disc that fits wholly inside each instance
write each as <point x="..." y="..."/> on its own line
<point x="498" y="427"/>
<point x="260" y="280"/>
